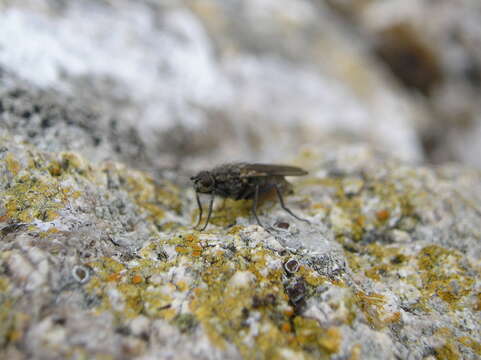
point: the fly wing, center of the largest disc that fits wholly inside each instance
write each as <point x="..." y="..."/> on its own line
<point x="258" y="170"/>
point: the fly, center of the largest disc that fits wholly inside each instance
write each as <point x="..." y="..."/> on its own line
<point x="244" y="181"/>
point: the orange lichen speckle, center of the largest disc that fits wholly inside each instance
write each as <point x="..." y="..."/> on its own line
<point x="114" y="277"/>
<point x="137" y="279"/>
<point x="182" y="250"/>
<point x="383" y="215"/>
<point x="286" y="327"/>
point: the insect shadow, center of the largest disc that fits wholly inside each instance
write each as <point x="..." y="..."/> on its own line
<point x="240" y="181"/>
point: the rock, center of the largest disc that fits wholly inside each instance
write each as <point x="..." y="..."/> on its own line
<point x="329" y="289"/>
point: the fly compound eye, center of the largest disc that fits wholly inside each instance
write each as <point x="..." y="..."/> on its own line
<point x="206" y="180"/>
<point x="203" y="182"/>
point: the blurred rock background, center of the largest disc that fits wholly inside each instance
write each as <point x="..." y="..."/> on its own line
<point x="167" y="85"/>
<point x="433" y="48"/>
<point x="177" y="83"/>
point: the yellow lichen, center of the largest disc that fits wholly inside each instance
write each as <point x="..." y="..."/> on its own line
<point x="49" y="232"/>
<point x="133" y="300"/>
<point x="443" y="274"/>
<point x="151" y="196"/>
<point x="221" y="308"/>
<point x="377" y="272"/>
<point x="355" y="352"/>
<point x="477" y="306"/>
<point x="469" y="342"/>
<point x="13" y="166"/>
<point x="4" y="284"/>
<point x="133" y="285"/>
<point x="106" y="266"/>
<point x="157" y="302"/>
<point x="35" y="197"/>
<point x="310" y="334"/>
<point x="348" y="211"/>
<point x="73" y="162"/>
<point x="228" y="213"/>
<point x="382" y="262"/>
<point x="12" y="323"/>
<point x="447" y="352"/>
<point x="312" y="277"/>
<point x="55" y="169"/>
<point x="372" y="305"/>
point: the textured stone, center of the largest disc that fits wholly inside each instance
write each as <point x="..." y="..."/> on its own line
<point x="135" y="281"/>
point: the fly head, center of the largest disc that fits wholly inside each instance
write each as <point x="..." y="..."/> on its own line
<point x="203" y="182"/>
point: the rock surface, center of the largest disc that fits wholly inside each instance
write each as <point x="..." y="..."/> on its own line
<point x="100" y="261"/>
<point x="107" y="107"/>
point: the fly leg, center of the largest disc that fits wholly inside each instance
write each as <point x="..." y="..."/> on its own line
<point x="281" y="200"/>
<point x="254" y="205"/>
<point x="211" y="203"/>
<point x="199" y="205"/>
